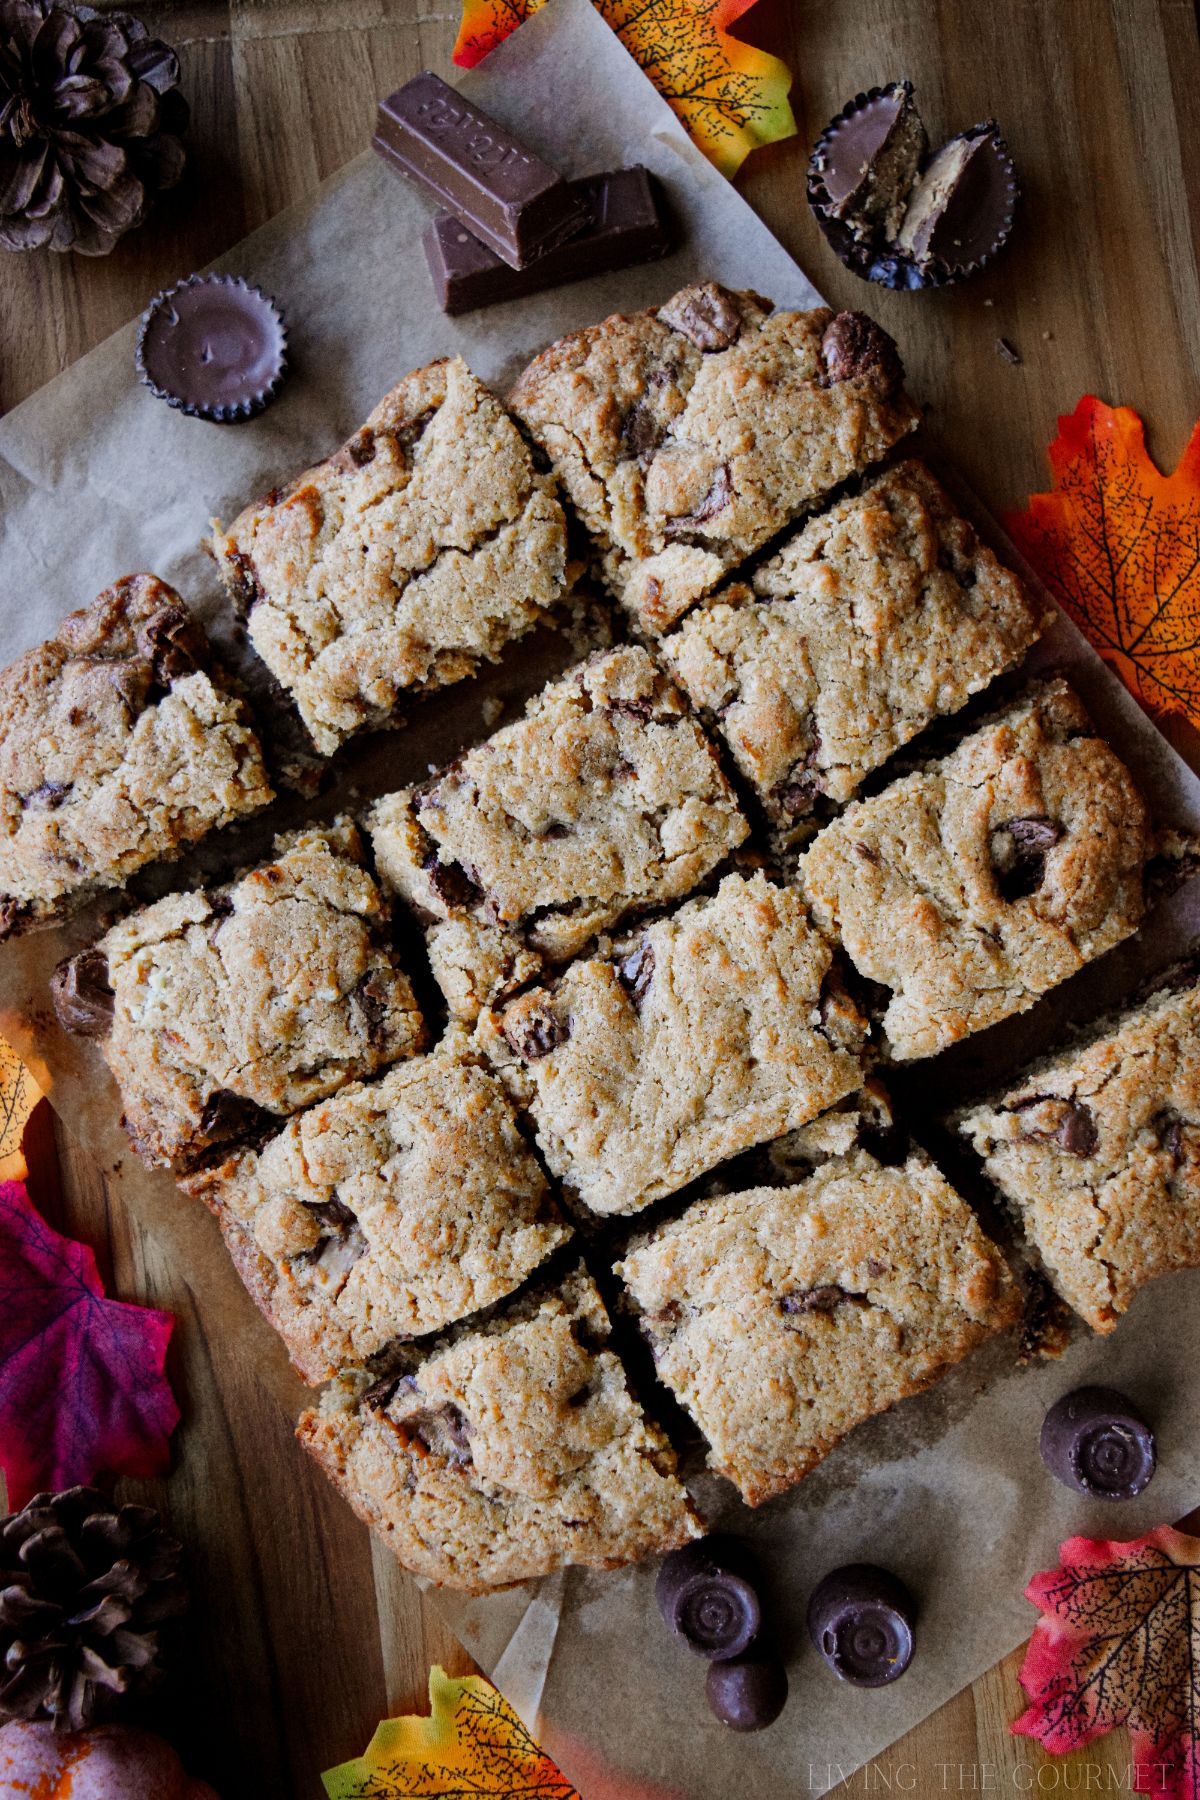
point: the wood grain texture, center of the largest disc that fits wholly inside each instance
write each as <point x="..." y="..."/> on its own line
<point x="302" y="1635"/>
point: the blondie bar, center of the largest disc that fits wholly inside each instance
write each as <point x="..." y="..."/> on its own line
<point x="426" y="544"/>
<point x="219" y="1011"/>
<point x="1097" y="1150"/>
<point x="783" y="1317"/>
<point x="505" y="1451"/>
<point x="118" y="746"/>
<point x="688" y="436"/>
<point x="605" y="797"/>
<point x="394" y="1208"/>
<point x="881" y="615"/>
<point x="972" y="886"/>
<point x="712" y="1029"/>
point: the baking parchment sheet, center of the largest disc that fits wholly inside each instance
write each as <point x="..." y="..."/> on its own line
<point x="98" y="478"/>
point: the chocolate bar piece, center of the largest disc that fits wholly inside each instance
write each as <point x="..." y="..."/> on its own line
<point x="628" y="226"/>
<point x="509" y="197"/>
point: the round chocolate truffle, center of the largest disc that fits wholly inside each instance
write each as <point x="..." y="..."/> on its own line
<point x="747" y="1693"/>
<point x="706" y="1602"/>
<point x="861" y="1620"/>
<point x="1096" y="1441"/>
<point x="214" y="347"/>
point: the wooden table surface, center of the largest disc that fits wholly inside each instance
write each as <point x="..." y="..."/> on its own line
<point x="303" y="1636"/>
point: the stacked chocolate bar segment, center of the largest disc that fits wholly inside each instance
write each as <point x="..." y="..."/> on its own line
<point x="514" y="225"/>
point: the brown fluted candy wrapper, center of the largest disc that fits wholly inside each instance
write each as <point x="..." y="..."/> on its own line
<point x="214" y="347"/>
<point x="896" y="213"/>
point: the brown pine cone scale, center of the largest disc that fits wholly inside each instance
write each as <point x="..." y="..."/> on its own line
<point x="90" y="117"/>
<point x="84" y="1587"/>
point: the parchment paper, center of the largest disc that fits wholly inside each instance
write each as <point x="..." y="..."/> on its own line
<point x="97" y="478"/>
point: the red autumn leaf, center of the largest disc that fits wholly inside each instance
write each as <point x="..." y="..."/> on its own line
<point x="1120" y="1645"/>
<point x="82" y="1388"/>
<point x="1118" y="544"/>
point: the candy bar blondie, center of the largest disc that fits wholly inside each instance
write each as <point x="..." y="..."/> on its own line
<point x="118" y="746"/>
<point x="782" y="1317"/>
<point x="423" y="547"/>
<point x="220" y="1011"/>
<point x="398" y="1206"/>
<point x="710" y="1030"/>
<point x="1097" y="1150"/>
<point x="606" y="797"/>
<point x="972" y="886"/>
<point x="881" y="615"/>
<point x="505" y="1451"/>
<point x="689" y="435"/>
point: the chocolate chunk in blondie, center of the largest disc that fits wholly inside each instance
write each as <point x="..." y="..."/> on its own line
<point x="1097" y="1150"/>
<point x="783" y="1317"/>
<point x="388" y="1211"/>
<point x="605" y="797"/>
<point x="688" y="436"/>
<point x="715" y="1028"/>
<point x="418" y="551"/>
<point x="505" y="1450"/>
<point x="880" y="616"/>
<point x="118" y="746"/>
<point x="220" y="1011"/>
<point x="968" y="889"/>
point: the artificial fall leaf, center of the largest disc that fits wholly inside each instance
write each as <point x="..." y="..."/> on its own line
<point x="1120" y="1645"/>
<point x="472" y="1744"/>
<point x="82" y="1388"/>
<point x="19" y="1094"/>
<point x="1118" y="544"/>
<point x="730" y="96"/>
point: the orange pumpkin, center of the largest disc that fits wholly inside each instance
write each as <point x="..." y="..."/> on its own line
<point x="109" y="1762"/>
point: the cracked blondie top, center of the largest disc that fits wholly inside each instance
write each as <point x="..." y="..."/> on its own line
<point x="971" y="887"/>
<point x="218" y="1011"/>
<point x="1097" y="1150"/>
<point x="390" y="1210"/>
<point x="881" y="615"/>
<point x="605" y="797"/>
<point x="117" y="748"/>
<point x="783" y="1317"/>
<point x="713" y="1029"/>
<point x="688" y="436"/>
<point x="423" y="547"/>
<point x="506" y="1451"/>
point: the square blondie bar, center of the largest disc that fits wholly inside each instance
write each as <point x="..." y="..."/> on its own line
<point x="419" y="550"/>
<point x="688" y="435"/>
<point x="972" y="886"/>
<point x="221" y="1011"/>
<point x="1096" y="1148"/>
<point x="605" y="798"/>
<point x="710" y="1030"/>
<point x="389" y="1211"/>
<point x="880" y="616"/>
<point x="505" y="1451"/>
<point x="782" y="1317"/>
<point x="118" y="747"/>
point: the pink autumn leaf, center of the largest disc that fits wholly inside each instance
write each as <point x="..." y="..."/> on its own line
<point x="82" y="1387"/>
<point x="1120" y="1645"/>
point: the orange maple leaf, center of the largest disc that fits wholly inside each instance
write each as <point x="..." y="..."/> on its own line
<point x="730" y="95"/>
<point x="1118" y="544"/>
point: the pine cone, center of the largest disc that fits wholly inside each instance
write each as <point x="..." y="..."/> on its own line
<point x="90" y="112"/>
<point x="83" y="1588"/>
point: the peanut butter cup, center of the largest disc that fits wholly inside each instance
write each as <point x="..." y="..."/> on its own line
<point x="214" y="347"/>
